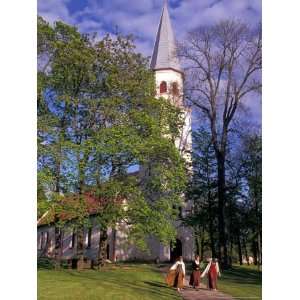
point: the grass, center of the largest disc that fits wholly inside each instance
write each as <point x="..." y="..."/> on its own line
<point x="241" y="282"/>
<point x="135" y="282"/>
<point x="115" y="282"/>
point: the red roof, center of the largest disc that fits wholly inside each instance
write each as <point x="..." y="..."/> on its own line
<point x="70" y="207"/>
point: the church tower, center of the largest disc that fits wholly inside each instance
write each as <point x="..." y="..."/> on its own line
<point x="169" y="77"/>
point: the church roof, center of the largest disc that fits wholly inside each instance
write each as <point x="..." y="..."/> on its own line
<point x="164" y="52"/>
<point x="69" y="206"/>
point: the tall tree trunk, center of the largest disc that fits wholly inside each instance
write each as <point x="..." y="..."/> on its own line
<point x="246" y="251"/>
<point x="114" y="235"/>
<point x="238" y="239"/>
<point x="80" y="246"/>
<point x="211" y="226"/>
<point x="202" y="247"/>
<point x="230" y="253"/>
<point x="223" y="255"/>
<point x="57" y="243"/>
<point x="57" y="230"/>
<point x="80" y="242"/>
<point x="80" y="230"/>
<point x="259" y="249"/>
<point x="254" y="251"/>
<point x="102" y="247"/>
<point x="197" y="243"/>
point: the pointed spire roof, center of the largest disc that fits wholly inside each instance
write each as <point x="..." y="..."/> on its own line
<point x="164" y="52"/>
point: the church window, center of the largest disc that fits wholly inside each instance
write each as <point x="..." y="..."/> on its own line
<point x="163" y="87"/>
<point x="175" y="89"/>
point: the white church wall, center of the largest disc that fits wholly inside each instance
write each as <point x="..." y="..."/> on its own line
<point x="169" y="76"/>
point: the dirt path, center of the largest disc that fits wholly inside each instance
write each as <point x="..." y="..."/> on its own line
<point x="202" y="294"/>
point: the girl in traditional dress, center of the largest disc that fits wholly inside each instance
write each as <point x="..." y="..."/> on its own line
<point x="213" y="271"/>
<point x="195" y="276"/>
<point x="176" y="274"/>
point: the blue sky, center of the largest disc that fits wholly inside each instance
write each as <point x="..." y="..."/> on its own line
<point x="141" y="17"/>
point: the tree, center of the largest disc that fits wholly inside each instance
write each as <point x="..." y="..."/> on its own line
<point x="223" y="67"/>
<point x="97" y="118"/>
<point x="203" y="191"/>
<point x="252" y="160"/>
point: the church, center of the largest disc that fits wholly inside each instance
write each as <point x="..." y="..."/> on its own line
<point x="169" y="84"/>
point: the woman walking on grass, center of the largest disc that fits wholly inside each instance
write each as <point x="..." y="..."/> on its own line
<point x="195" y="276"/>
<point x="213" y="271"/>
<point x="176" y="274"/>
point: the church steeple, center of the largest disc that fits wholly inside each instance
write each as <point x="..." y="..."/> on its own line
<point x="164" y="52"/>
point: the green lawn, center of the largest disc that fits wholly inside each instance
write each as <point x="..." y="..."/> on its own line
<point x="241" y="281"/>
<point x="124" y="282"/>
<point x="135" y="281"/>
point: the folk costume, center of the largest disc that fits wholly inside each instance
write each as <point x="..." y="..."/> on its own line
<point x="195" y="276"/>
<point x="176" y="275"/>
<point x="213" y="271"/>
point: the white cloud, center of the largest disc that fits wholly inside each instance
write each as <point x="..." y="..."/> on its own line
<point x="141" y="17"/>
<point x="55" y="10"/>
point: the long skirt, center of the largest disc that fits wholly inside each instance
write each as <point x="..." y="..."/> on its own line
<point x="212" y="281"/>
<point x="170" y="279"/>
<point x="195" y="278"/>
<point x="175" y="279"/>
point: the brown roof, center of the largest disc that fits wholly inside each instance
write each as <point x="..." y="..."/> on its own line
<point x="70" y="207"/>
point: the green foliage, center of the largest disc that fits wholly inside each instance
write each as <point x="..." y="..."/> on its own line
<point x="97" y="117"/>
<point x="243" y="194"/>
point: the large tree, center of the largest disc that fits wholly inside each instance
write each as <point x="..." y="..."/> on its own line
<point x="223" y="64"/>
<point x="97" y="118"/>
<point x="252" y="163"/>
<point x="203" y="192"/>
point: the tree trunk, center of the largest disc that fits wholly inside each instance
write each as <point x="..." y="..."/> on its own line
<point x="57" y="243"/>
<point x="80" y="246"/>
<point x="238" y="239"/>
<point x="230" y="254"/>
<point x="259" y="249"/>
<point x="202" y="247"/>
<point x="254" y="250"/>
<point x="114" y="258"/>
<point x="246" y="252"/>
<point x="223" y="255"/>
<point x="102" y="247"/>
<point x="211" y="226"/>
<point x="197" y="243"/>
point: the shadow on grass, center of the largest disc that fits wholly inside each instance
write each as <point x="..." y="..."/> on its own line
<point x="156" y="284"/>
<point x="160" y="290"/>
<point x="242" y="275"/>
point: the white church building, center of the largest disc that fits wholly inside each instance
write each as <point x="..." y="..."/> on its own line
<point x="169" y="84"/>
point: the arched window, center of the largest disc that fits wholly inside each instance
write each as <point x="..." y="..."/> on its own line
<point x="163" y="87"/>
<point x="175" y="89"/>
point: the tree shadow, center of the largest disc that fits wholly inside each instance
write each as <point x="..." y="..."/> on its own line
<point x="143" y="287"/>
<point x="156" y="284"/>
<point x="243" y="276"/>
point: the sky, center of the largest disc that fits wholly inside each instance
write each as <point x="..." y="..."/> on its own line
<point x="141" y="18"/>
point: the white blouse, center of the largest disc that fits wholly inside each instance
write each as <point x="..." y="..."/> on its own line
<point x="207" y="269"/>
<point x="174" y="267"/>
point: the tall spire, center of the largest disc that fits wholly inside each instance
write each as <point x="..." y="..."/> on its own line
<point x="164" y="52"/>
